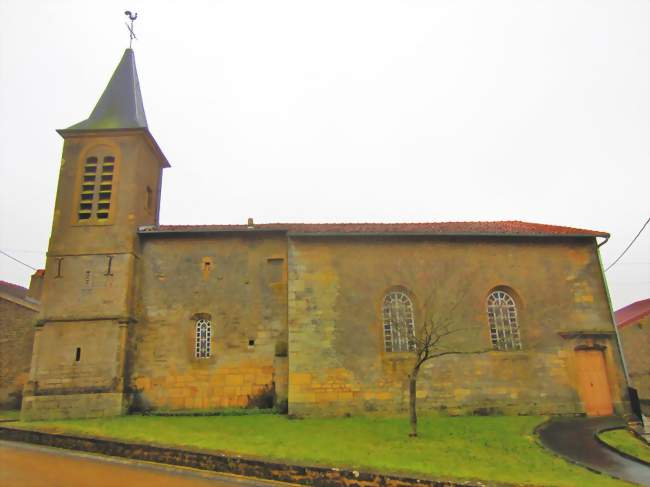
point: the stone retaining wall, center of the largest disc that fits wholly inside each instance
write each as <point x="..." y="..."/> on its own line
<point x="217" y="462"/>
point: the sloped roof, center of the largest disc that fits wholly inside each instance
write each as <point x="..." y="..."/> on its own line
<point x="632" y="313"/>
<point x="496" y="228"/>
<point x="120" y="106"/>
<point x="13" y="289"/>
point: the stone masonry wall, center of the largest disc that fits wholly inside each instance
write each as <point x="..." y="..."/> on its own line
<point x="337" y="362"/>
<point x="16" y="340"/>
<point x="238" y="282"/>
<point x="84" y="360"/>
<point x="67" y="406"/>
<point x="635" y="338"/>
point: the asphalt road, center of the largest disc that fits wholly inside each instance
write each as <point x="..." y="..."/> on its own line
<point x="25" y="465"/>
<point x="574" y="438"/>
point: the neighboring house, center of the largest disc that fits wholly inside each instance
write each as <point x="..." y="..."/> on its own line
<point x="633" y="323"/>
<point x="18" y="313"/>
<point x="138" y="314"/>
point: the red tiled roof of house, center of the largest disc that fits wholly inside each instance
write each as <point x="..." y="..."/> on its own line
<point x="504" y="228"/>
<point x="13" y="289"/>
<point x="632" y="313"/>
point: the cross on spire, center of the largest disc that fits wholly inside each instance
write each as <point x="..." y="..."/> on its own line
<point x="130" y="27"/>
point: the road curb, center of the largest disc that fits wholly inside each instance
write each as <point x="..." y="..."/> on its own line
<point x="231" y="464"/>
<point x="538" y="440"/>
<point x="613" y="448"/>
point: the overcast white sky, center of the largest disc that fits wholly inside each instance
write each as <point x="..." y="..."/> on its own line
<point x="330" y="111"/>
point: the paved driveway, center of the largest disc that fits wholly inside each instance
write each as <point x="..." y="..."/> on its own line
<point x="27" y="465"/>
<point x="574" y="438"/>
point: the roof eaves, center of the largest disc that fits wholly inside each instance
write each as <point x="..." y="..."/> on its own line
<point x="121" y="131"/>
<point x="442" y="234"/>
<point x="633" y="319"/>
<point x="294" y="233"/>
<point x="24" y="302"/>
<point x="204" y="231"/>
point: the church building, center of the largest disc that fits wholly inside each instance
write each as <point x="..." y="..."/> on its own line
<point x="136" y="315"/>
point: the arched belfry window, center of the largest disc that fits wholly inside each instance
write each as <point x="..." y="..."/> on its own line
<point x="203" y="334"/>
<point x="399" y="324"/>
<point x="502" y="316"/>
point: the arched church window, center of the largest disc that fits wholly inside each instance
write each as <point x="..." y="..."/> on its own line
<point x="399" y="325"/>
<point x="502" y="316"/>
<point x="96" y="194"/>
<point x="203" y="335"/>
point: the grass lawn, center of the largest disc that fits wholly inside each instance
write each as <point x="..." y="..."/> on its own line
<point x="487" y="448"/>
<point x="9" y="414"/>
<point x="626" y="442"/>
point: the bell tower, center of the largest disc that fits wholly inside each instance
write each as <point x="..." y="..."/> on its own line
<point x="109" y="185"/>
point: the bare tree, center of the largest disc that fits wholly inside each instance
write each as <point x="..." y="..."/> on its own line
<point x="432" y="339"/>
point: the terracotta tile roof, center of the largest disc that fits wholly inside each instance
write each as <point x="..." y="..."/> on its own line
<point x="13" y="289"/>
<point x="505" y="228"/>
<point x="632" y="313"/>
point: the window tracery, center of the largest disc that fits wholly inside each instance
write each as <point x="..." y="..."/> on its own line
<point x="399" y="324"/>
<point x="502" y="316"/>
<point x="202" y="342"/>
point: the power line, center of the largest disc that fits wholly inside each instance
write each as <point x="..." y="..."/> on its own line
<point x="628" y="247"/>
<point x="19" y="261"/>
<point x="25" y="251"/>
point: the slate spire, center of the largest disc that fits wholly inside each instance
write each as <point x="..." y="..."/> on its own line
<point x="120" y="106"/>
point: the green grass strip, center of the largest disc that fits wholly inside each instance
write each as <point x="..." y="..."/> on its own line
<point x="9" y="414"/>
<point x="626" y="442"/>
<point x="497" y="449"/>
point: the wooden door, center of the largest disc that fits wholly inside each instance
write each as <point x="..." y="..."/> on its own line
<point x="592" y="383"/>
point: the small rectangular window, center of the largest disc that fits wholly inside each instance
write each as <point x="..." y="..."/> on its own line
<point x="275" y="269"/>
<point x="89" y="178"/>
<point x="77" y="355"/>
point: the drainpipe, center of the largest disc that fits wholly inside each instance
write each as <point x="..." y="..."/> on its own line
<point x="611" y="312"/>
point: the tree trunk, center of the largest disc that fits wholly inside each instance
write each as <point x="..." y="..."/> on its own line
<point x="413" y="377"/>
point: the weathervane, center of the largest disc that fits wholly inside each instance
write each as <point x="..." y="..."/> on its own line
<point x="130" y="27"/>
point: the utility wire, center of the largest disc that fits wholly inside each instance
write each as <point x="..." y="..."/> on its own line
<point x="628" y="247"/>
<point x="19" y="261"/>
